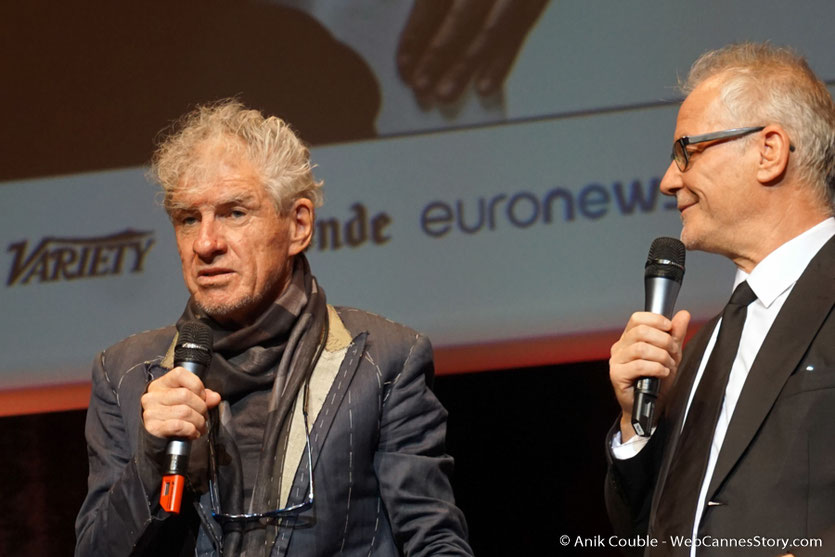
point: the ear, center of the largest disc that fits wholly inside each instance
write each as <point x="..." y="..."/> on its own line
<point x="774" y="154"/>
<point x="301" y="226"/>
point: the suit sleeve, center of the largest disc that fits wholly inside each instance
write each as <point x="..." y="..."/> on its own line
<point x="412" y="466"/>
<point x="630" y="484"/>
<point x="117" y="516"/>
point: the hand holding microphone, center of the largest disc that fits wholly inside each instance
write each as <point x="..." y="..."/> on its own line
<point x="176" y="407"/>
<point x="663" y="274"/>
<point x="650" y="347"/>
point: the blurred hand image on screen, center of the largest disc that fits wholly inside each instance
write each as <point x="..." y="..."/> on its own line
<point x="446" y="45"/>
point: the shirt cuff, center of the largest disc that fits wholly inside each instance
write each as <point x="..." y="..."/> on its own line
<point x="624" y="451"/>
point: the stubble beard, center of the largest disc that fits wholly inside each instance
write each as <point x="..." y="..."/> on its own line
<point x="245" y="309"/>
<point x="225" y="311"/>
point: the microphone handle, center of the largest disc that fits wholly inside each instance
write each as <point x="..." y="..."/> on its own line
<point x="173" y="481"/>
<point x="661" y="294"/>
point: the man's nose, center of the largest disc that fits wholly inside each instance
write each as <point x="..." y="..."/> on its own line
<point x="671" y="182"/>
<point x="210" y="241"/>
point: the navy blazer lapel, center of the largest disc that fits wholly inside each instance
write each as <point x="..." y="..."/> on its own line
<point x="787" y="341"/>
<point x="320" y="429"/>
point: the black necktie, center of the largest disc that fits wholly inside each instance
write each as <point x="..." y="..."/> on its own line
<point x="677" y="505"/>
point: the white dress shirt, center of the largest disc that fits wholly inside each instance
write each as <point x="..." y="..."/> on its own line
<point x="771" y="280"/>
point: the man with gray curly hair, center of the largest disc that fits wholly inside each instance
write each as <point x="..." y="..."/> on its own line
<point x="739" y="460"/>
<point x="313" y="431"/>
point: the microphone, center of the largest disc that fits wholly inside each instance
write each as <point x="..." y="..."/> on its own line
<point x="663" y="274"/>
<point x="193" y="351"/>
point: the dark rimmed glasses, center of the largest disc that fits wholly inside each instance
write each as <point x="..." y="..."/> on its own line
<point x="269" y="516"/>
<point x="682" y="156"/>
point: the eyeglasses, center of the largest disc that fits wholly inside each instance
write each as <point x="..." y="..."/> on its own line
<point x="682" y="156"/>
<point x="286" y="512"/>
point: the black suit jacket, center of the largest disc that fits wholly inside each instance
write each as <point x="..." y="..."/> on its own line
<point x="775" y="475"/>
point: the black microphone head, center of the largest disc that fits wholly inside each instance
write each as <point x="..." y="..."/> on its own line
<point x="665" y="259"/>
<point x="194" y="343"/>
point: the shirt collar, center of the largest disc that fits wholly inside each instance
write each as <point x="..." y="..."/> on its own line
<point x="782" y="267"/>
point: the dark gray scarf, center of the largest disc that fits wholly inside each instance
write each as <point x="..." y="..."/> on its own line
<point x="278" y="350"/>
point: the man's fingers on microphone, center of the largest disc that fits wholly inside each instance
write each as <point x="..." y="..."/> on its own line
<point x="181" y="377"/>
<point x="178" y="404"/>
<point x="650" y="335"/>
<point x="181" y="396"/>
<point x="177" y="378"/>
<point x="644" y="351"/>
<point x="681" y="321"/>
<point x="644" y="368"/>
<point x="178" y="412"/>
<point x="623" y="377"/>
<point x="180" y="428"/>
<point x="179" y="421"/>
<point x="627" y="352"/>
<point x="212" y="398"/>
<point x="646" y="318"/>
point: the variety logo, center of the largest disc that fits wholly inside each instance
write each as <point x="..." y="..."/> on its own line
<point x="59" y="259"/>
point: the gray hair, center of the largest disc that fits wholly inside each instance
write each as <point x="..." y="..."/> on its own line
<point x="280" y="158"/>
<point x="762" y="84"/>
